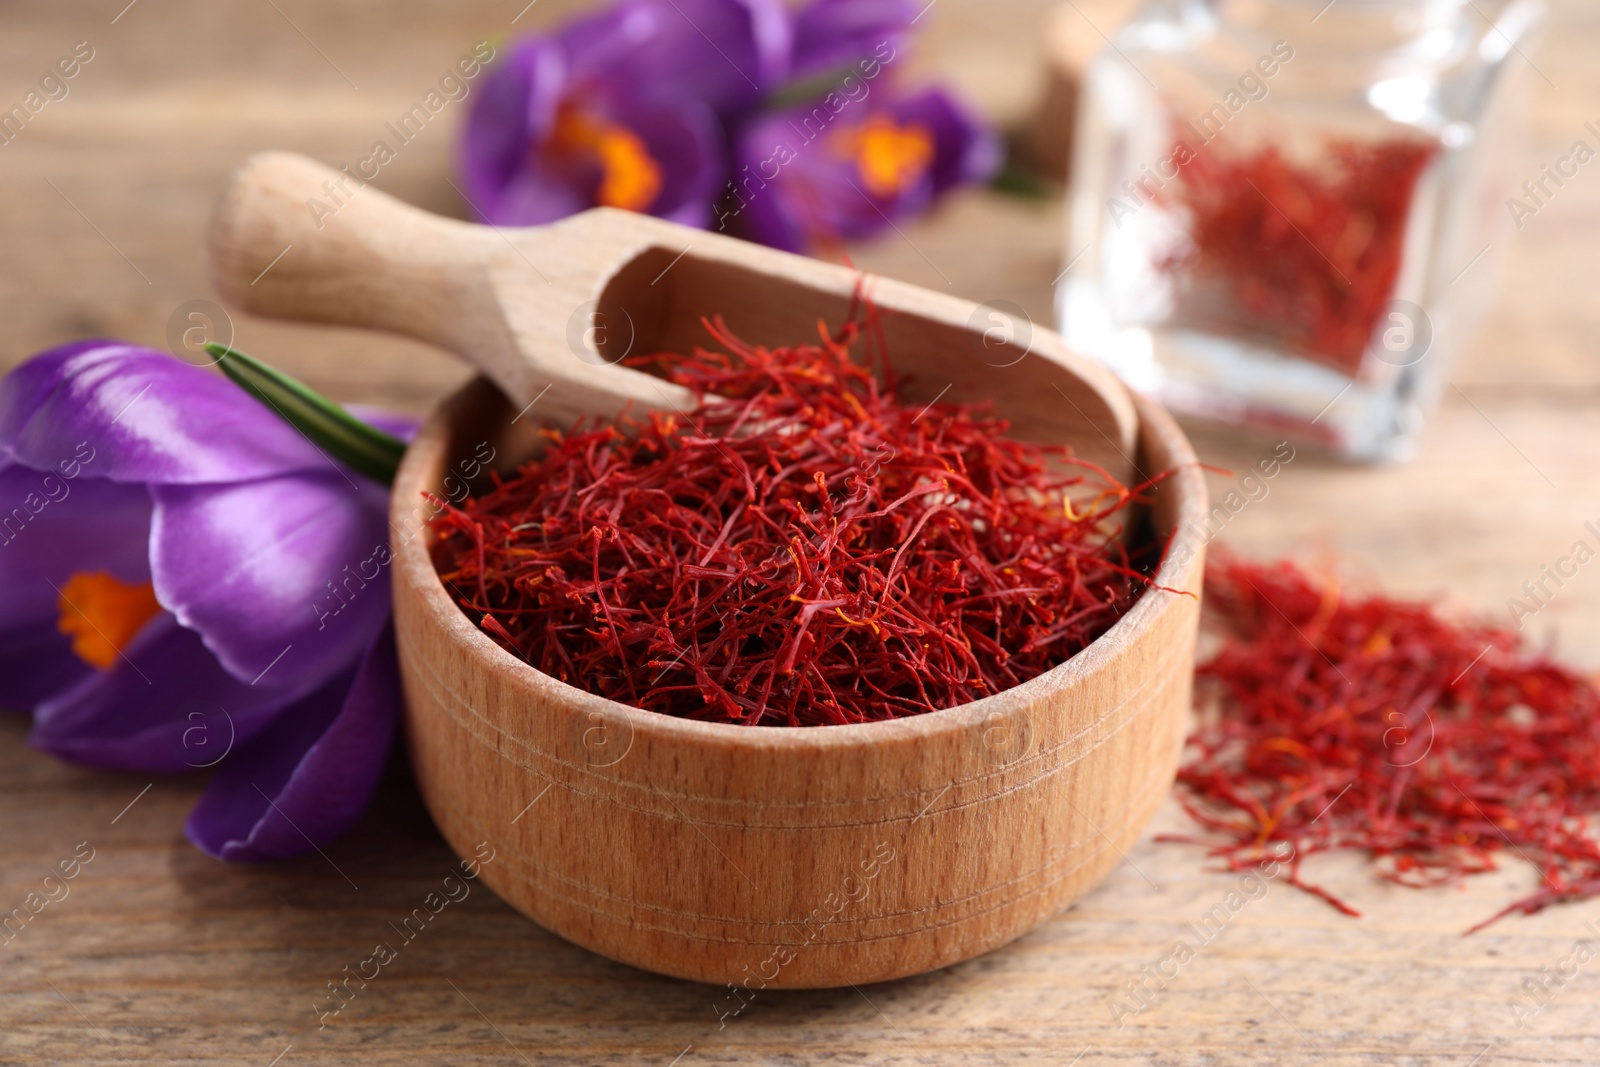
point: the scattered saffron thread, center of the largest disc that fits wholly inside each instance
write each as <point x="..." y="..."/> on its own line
<point x="1445" y="745"/>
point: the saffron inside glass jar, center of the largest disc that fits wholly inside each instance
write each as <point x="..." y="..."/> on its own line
<point x="1286" y="215"/>
<point x="1301" y="256"/>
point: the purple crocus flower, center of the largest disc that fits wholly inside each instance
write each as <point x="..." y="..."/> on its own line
<point x="621" y="109"/>
<point x="850" y="162"/>
<point x="630" y="108"/>
<point x="188" y="582"/>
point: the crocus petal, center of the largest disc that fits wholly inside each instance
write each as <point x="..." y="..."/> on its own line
<point x="532" y="198"/>
<point x="724" y="53"/>
<point x="965" y="150"/>
<point x="514" y="110"/>
<point x="606" y="45"/>
<point x="307" y="779"/>
<point x="165" y="707"/>
<point x="818" y="195"/>
<point x="143" y="416"/>
<point x="683" y="137"/>
<point x="778" y="220"/>
<point x="36" y="663"/>
<point x="832" y="35"/>
<point x="819" y="192"/>
<point x="283" y="578"/>
<point x="56" y="526"/>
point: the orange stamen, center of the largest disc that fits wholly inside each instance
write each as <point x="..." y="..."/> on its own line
<point x="103" y="614"/>
<point x="890" y="157"/>
<point x="630" y="176"/>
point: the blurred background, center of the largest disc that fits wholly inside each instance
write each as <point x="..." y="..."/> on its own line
<point x="110" y="190"/>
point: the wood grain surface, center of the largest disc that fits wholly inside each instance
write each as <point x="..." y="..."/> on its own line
<point x="161" y="955"/>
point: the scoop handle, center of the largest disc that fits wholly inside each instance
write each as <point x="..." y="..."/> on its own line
<point x="293" y="239"/>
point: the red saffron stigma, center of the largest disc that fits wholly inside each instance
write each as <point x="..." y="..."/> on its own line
<point x="803" y="548"/>
<point x="1330" y="722"/>
<point x="1308" y="256"/>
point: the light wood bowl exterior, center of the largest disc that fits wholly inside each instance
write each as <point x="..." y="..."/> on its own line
<point x="789" y="857"/>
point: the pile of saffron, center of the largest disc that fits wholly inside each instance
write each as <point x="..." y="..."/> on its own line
<point x="804" y="548"/>
<point x="1310" y="253"/>
<point x="1335" y="722"/>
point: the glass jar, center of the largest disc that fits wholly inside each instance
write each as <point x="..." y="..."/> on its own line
<point x="1284" y="213"/>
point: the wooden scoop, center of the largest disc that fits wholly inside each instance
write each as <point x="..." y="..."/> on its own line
<point x="560" y="305"/>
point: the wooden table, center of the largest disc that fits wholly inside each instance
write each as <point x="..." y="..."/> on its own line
<point x="160" y="954"/>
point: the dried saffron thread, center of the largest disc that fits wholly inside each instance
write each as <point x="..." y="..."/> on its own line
<point x="1309" y="254"/>
<point x="803" y="548"/>
<point x="1333" y="722"/>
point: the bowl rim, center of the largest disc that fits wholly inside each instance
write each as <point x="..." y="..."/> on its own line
<point x="413" y="567"/>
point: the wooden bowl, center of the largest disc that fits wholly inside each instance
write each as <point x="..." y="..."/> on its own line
<point x="787" y="857"/>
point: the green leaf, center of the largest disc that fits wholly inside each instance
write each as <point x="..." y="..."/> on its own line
<point x="1014" y="179"/>
<point x="363" y="448"/>
<point x="805" y="90"/>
